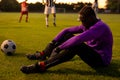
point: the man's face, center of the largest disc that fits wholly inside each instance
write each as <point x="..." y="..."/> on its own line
<point x="86" y="21"/>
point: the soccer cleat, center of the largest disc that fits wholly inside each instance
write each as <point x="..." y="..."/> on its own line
<point x="54" y="24"/>
<point x="34" y="68"/>
<point x="36" y="56"/>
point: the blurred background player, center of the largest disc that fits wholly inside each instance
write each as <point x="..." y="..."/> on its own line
<point x="24" y="10"/>
<point x="50" y="8"/>
<point x="95" y="6"/>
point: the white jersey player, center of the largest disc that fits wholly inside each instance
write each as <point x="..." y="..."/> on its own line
<point x="95" y="6"/>
<point x="50" y="9"/>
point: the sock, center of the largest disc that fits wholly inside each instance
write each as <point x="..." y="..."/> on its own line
<point x="42" y="53"/>
<point x="42" y="66"/>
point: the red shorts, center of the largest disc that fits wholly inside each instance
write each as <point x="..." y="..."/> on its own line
<point x="24" y="12"/>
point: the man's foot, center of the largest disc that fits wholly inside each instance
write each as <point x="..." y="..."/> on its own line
<point x="54" y="24"/>
<point x="36" y="56"/>
<point x="34" y="68"/>
<point x="26" y="21"/>
<point x="47" y="26"/>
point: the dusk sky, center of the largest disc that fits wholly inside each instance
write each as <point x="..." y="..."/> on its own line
<point x="100" y="2"/>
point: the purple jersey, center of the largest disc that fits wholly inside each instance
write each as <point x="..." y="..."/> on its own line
<point x="98" y="36"/>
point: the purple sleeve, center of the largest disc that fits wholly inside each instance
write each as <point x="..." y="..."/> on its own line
<point x="74" y="30"/>
<point x="93" y="33"/>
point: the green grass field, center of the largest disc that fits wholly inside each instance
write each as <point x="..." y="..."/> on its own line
<point x="32" y="36"/>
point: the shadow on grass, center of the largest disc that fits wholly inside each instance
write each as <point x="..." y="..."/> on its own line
<point x="19" y="55"/>
<point x="113" y="71"/>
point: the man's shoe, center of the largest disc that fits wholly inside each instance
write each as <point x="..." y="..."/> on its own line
<point x="47" y="26"/>
<point x="34" y="68"/>
<point x="36" y="56"/>
<point x="54" y="24"/>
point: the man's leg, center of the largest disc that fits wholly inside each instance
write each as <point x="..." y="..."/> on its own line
<point x="49" y="48"/>
<point x="86" y="53"/>
<point x="63" y="56"/>
<point x="89" y="56"/>
<point x="20" y="17"/>
<point x="43" y="54"/>
<point x="26" y="16"/>
<point x="54" y="19"/>
<point x="46" y="19"/>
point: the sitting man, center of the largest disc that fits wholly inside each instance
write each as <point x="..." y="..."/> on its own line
<point x="92" y="42"/>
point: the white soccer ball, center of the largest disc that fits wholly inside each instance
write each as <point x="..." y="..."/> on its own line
<point x="8" y="47"/>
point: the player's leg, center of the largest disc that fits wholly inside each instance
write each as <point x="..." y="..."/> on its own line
<point x="46" y="20"/>
<point x="89" y="56"/>
<point x="26" y="16"/>
<point x="49" y="48"/>
<point x="46" y="12"/>
<point x="20" y="16"/>
<point x="54" y="19"/>
<point x="86" y="53"/>
<point x="42" y="55"/>
<point x="53" y="11"/>
<point x="63" y="56"/>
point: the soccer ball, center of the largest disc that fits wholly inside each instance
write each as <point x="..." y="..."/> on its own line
<point x="8" y="47"/>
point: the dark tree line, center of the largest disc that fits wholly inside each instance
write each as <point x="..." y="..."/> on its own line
<point x="9" y="5"/>
<point x="14" y="6"/>
<point x="113" y="5"/>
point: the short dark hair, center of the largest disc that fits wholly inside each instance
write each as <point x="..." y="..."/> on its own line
<point x="87" y="11"/>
